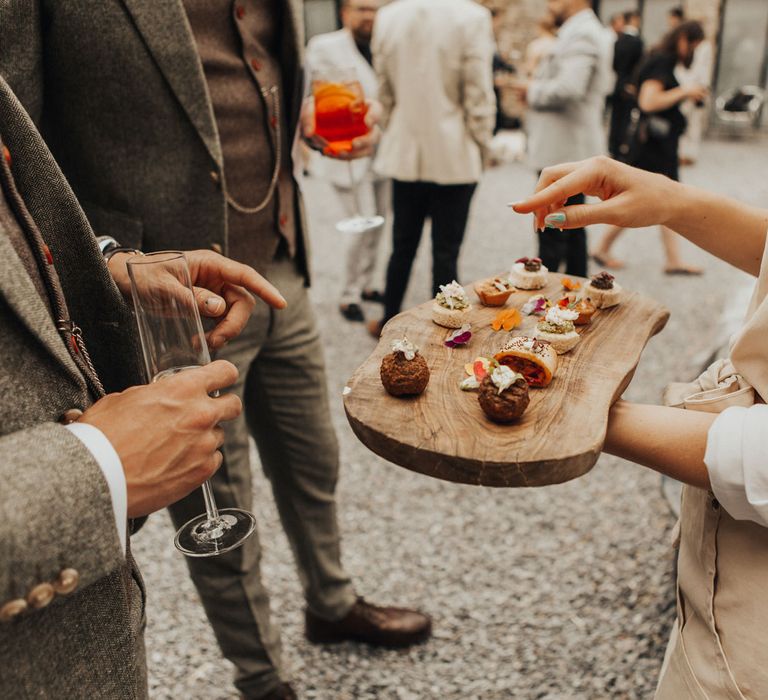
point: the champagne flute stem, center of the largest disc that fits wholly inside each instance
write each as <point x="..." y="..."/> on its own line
<point x="353" y="188"/>
<point x="210" y="502"/>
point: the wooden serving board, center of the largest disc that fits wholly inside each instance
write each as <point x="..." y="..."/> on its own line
<point x="444" y="433"/>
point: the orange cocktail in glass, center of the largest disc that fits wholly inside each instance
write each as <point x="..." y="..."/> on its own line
<point x="340" y="118"/>
<point x="340" y="111"/>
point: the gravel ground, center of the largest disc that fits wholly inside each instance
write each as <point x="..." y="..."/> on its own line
<point x="558" y="592"/>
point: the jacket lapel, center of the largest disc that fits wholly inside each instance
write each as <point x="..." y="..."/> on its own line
<point x="364" y="69"/>
<point x="164" y="27"/>
<point x="22" y="296"/>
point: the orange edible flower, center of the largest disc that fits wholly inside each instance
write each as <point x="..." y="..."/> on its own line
<point x="569" y="284"/>
<point x="507" y="319"/>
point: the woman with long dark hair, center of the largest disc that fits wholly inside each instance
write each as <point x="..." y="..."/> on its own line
<point x="657" y="129"/>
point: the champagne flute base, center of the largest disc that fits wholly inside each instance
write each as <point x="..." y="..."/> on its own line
<point x="356" y="225"/>
<point x="201" y="537"/>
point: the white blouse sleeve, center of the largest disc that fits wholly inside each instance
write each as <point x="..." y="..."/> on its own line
<point x="737" y="460"/>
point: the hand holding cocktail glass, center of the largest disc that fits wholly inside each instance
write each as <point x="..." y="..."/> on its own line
<point x="342" y="123"/>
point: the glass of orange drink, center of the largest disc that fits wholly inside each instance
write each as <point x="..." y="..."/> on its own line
<point x="340" y="111"/>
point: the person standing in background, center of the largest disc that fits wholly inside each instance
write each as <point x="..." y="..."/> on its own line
<point x="675" y="17"/>
<point x="437" y="128"/>
<point x="655" y="142"/>
<point x="502" y="70"/>
<point x="566" y="100"/>
<point x="700" y="73"/>
<point x="627" y="55"/>
<point x="350" y="47"/>
<point x="616" y="24"/>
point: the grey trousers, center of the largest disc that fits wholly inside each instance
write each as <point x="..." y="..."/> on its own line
<point x="362" y="249"/>
<point x="283" y="387"/>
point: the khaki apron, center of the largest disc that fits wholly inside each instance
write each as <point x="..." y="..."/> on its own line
<point x="719" y="644"/>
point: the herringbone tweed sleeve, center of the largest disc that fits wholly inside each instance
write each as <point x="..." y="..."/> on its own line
<point x="21" y="52"/>
<point x="55" y="511"/>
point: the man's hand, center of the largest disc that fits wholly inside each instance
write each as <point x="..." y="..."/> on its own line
<point x="362" y="146"/>
<point x="167" y="434"/>
<point x="223" y="290"/>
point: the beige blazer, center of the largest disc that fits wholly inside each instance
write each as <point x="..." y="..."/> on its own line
<point x="433" y="59"/>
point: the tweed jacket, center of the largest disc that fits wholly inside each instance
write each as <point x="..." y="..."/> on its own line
<point x="55" y="507"/>
<point x="118" y="91"/>
<point x="566" y="98"/>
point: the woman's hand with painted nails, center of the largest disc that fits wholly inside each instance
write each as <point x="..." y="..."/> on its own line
<point x="629" y="197"/>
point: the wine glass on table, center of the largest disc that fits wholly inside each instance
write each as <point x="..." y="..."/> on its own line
<point x="172" y="340"/>
<point x="340" y="111"/>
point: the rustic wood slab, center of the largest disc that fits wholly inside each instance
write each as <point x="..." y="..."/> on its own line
<point x="443" y="433"/>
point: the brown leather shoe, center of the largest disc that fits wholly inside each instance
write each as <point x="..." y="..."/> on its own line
<point x="284" y="692"/>
<point x="371" y="624"/>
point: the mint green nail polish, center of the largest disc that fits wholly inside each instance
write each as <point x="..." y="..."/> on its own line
<point x="556" y="219"/>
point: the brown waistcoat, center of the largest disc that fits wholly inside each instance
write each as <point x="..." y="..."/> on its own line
<point x="237" y="44"/>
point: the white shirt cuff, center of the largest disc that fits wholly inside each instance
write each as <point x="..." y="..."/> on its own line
<point x="112" y="468"/>
<point x="737" y="443"/>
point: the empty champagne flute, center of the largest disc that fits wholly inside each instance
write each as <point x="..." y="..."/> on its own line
<point x="340" y="111"/>
<point x="172" y="340"/>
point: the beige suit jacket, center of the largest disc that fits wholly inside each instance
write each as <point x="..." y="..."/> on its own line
<point x="434" y="63"/>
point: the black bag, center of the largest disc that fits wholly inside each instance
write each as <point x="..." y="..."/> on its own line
<point x="641" y="131"/>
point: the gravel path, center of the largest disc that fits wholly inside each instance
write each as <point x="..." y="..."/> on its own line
<point x="563" y="592"/>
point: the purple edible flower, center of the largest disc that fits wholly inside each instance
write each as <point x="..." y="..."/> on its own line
<point x="460" y="336"/>
<point x="535" y="305"/>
